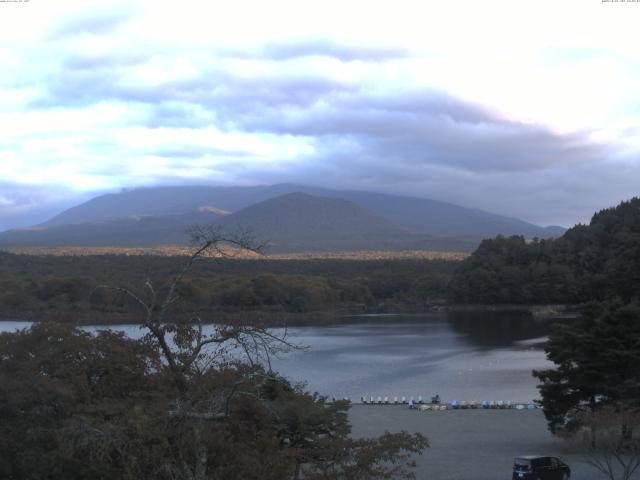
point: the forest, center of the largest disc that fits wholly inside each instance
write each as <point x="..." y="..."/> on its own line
<point x="592" y="262"/>
<point x="33" y="286"/>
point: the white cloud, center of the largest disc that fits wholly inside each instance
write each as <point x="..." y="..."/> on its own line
<point x="447" y="99"/>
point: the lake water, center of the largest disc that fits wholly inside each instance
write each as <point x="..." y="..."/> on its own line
<point x="462" y="356"/>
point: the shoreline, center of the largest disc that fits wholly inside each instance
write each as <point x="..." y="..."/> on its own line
<point x="299" y="319"/>
<point x="176" y="250"/>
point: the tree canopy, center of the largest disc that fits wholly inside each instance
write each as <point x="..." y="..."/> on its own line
<point x="598" y="364"/>
<point x="591" y="262"/>
<point x="40" y="286"/>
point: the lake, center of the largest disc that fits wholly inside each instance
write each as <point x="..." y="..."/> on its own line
<point x="458" y="355"/>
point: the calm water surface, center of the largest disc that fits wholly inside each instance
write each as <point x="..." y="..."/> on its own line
<point x="463" y="356"/>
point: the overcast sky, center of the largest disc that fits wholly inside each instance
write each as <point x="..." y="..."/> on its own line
<point x="527" y="108"/>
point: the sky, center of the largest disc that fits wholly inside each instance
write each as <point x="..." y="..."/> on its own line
<point x="528" y="108"/>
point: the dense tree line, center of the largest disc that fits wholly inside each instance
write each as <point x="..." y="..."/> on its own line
<point x="77" y="406"/>
<point x="591" y="262"/>
<point x="36" y="286"/>
<point x="597" y="365"/>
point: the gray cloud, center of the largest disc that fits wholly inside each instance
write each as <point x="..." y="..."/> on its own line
<point x="81" y="87"/>
<point x="84" y="81"/>
<point x="172" y="114"/>
<point x="327" y="48"/>
<point x="419" y="128"/>
<point x="102" y="61"/>
<point x="94" y="22"/>
<point x="192" y="151"/>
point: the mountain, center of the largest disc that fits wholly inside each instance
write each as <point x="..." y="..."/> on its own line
<point x="420" y="215"/>
<point x="437" y="218"/>
<point x="299" y="222"/>
<point x="294" y="222"/>
<point x="292" y="217"/>
<point x="159" y="201"/>
<point x="134" y="230"/>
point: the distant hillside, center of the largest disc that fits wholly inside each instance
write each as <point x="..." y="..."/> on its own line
<point x="299" y="222"/>
<point x="158" y="201"/>
<point x="439" y="219"/>
<point x="314" y="219"/>
<point x="294" y="222"/>
<point x="132" y="231"/>
<point x="589" y="262"/>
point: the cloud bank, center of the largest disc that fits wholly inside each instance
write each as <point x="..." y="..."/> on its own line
<point x="97" y="100"/>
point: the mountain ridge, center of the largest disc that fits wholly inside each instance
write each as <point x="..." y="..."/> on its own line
<point x="301" y="222"/>
<point x="312" y="217"/>
<point x="180" y="199"/>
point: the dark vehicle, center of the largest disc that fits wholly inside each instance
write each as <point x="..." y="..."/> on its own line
<point x="540" y="468"/>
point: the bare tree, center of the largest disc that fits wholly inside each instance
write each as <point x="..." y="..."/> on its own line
<point x="189" y="352"/>
<point x="610" y="441"/>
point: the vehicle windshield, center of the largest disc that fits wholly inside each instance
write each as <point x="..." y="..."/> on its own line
<point x="521" y="464"/>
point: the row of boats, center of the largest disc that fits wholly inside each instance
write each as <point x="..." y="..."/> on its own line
<point x="398" y="401"/>
<point x="485" y="404"/>
<point x="436" y="404"/>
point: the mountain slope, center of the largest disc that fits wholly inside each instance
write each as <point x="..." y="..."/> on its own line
<point x="164" y="201"/>
<point x="437" y="218"/>
<point x="297" y="221"/>
<point x="132" y="231"/>
<point x="421" y="215"/>
<point x="294" y="222"/>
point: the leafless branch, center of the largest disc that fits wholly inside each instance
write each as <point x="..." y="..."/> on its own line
<point x="608" y="441"/>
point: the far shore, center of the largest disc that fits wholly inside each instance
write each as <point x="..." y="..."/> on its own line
<point x="279" y="319"/>
<point x="185" y="250"/>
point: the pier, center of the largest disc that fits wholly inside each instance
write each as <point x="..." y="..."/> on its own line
<point x="435" y="404"/>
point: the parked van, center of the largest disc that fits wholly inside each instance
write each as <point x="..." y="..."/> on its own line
<point x="536" y="467"/>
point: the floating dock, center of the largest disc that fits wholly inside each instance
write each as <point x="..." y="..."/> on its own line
<point x="418" y="403"/>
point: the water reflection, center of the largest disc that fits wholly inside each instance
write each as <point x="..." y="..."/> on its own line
<point x="480" y="329"/>
<point x="498" y="329"/>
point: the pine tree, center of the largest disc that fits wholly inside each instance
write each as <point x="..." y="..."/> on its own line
<point x="597" y="363"/>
